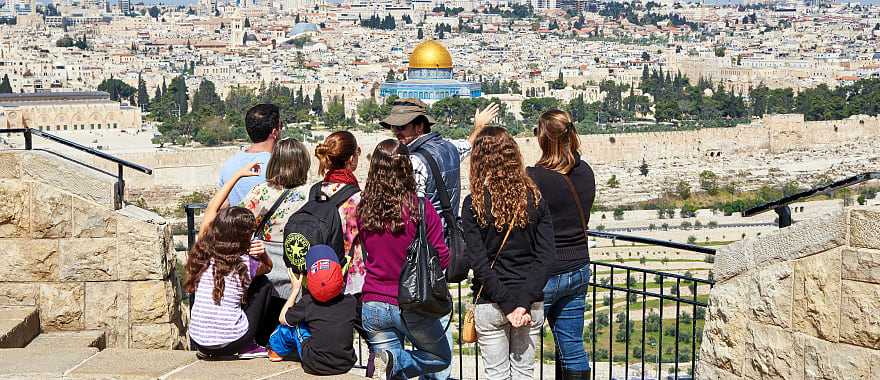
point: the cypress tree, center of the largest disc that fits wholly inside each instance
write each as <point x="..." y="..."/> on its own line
<point x="5" y="85"/>
<point x="317" y="102"/>
<point x="143" y="98"/>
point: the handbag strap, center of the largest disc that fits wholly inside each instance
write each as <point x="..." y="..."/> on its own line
<point x="577" y="201"/>
<point x="265" y="220"/>
<point x="442" y="192"/>
<point x="503" y="242"/>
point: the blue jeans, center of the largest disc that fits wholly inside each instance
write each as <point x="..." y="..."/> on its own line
<point x="285" y="338"/>
<point x="564" y="299"/>
<point x="387" y="330"/>
<point x="444" y="374"/>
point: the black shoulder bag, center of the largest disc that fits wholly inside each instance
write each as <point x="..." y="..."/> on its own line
<point x="458" y="268"/>
<point x="423" y="288"/>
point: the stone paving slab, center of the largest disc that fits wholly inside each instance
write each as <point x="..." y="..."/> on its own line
<point x="66" y="340"/>
<point x="300" y="375"/>
<point x="26" y="363"/>
<point x="125" y="364"/>
<point x="233" y="369"/>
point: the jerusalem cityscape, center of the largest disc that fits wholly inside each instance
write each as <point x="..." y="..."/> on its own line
<point x="720" y="162"/>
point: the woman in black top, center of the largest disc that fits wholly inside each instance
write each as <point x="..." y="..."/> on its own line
<point x="569" y="187"/>
<point x="504" y="201"/>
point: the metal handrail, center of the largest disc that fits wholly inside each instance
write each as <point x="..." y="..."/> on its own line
<point x="780" y="205"/>
<point x="190" y="209"/>
<point x="650" y="241"/>
<point x="119" y="186"/>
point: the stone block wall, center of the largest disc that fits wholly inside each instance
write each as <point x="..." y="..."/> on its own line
<point x="82" y="264"/>
<point x="799" y="303"/>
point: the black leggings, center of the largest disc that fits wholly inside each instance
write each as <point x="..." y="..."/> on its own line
<point x="256" y="309"/>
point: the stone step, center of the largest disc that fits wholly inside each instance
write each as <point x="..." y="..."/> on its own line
<point x="131" y="364"/>
<point x="18" y="325"/>
<point x="27" y="363"/>
<point x="69" y="340"/>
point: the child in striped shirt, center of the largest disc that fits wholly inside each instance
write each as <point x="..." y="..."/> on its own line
<point x="226" y="275"/>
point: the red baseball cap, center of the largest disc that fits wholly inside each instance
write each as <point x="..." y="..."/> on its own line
<point x="324" y="278"/>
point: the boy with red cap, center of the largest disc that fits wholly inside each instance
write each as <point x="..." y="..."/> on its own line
<point x="318" y="330"/>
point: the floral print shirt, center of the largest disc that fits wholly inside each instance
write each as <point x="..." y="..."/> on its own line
<point x="348" y="215"/>
<point x="260" y="200"/>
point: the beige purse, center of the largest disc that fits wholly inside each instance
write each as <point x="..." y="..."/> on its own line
<point x="469" y="326"/>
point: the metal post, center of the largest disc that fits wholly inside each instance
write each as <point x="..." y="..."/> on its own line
<point x="190" y="226"/>
<point x="119" y="194"/>
<point x="28" y="139"/>
<point x="784" y="213"/>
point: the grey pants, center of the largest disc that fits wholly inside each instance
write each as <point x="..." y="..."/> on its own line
<point x="507" y="352"/>
<point x="278" y="276"/>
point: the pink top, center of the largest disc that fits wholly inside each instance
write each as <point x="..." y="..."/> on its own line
<point x="386" y="253"/>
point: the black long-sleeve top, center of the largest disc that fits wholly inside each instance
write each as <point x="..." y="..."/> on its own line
<point x="519" y="275"/>
<point x="571" y="243"/>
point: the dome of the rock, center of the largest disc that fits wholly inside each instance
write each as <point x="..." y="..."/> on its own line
<point x="430" y="55"/>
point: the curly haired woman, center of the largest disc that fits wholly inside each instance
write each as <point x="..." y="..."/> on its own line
<point x="388" y="217"/>
<point x="509" y="235"/>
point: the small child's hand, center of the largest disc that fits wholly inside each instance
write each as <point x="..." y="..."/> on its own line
<point x="249" y="170"/>
<point x="257" y="250"/>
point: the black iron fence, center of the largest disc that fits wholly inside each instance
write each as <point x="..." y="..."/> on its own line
<point x="646" y="340"/>
<point x="119" y="186"/>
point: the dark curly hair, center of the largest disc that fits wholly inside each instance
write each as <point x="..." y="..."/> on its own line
<point x="497" y="168"/>
<point x="388" y="200"/>
<point x="227" y="238"/>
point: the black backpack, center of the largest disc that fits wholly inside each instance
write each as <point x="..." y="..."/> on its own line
<point x="316" y="222"/>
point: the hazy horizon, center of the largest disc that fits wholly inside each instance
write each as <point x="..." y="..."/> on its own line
<point x="193" y="2"/>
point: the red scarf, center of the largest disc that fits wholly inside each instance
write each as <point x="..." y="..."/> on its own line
<point x="345" y="176"/>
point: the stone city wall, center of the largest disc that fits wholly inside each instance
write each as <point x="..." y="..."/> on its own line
<point x="198" y="169"/>
<point x="799" y="303"/>
<point x="84" y="265"/>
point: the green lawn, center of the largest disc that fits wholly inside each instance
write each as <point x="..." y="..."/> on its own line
<point x="650" y="346"/>
<point x="650" y="304"/>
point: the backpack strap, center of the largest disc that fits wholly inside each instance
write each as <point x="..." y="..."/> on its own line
<point x="315" y="191"/>
<point x="343" y="194"/>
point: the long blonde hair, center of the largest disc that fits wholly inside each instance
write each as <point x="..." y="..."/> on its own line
<point x="558" y="140"/>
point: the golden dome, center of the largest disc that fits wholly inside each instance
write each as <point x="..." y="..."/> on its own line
<point x="430" y="55"/>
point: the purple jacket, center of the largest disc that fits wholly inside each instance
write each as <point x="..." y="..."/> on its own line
<point x="386" y="253"/>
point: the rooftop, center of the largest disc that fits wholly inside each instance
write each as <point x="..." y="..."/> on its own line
<point x="53" y="96"/>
